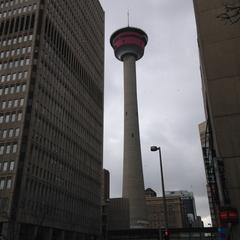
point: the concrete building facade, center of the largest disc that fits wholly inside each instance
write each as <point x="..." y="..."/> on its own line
<point x="188" y="204"/>
<point x="118" y="214"/>
<point x="155" y="211"/>
<point x="51" y="118"/>
<point x="211" y="172"/>
<point x="218" y="26"/>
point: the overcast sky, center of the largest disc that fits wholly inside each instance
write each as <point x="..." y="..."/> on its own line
<point x="169" y="96"/>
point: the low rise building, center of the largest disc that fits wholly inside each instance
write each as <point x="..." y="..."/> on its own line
<point x="188" y="203"/>
<point x="155" y="210"/>
<point x="118" y="214"/>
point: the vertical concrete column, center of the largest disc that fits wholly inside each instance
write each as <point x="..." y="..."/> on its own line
<point x="133" y="184"/>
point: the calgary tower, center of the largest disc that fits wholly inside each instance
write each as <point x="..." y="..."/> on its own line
<point x="128" y="44"/>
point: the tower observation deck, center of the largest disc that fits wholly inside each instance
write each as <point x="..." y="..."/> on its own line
<point x="128" y="44"/>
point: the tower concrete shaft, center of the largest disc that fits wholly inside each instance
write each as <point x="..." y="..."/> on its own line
<point x="133" y="184"/>
<point x="128" y="44"/>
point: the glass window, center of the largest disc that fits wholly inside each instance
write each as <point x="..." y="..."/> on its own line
<point x="19" y="116"/>
<point x="17" y="132"/>
<point x="6" y="90"/>
<point x="1" y="149"/>
<point x="8" y="149"/>
<point x="25" y="74"/>
<point x="9" y="183"/>
<point x="1" y="118"/>
<point x="3" y="77"/>
<point x="20" y="75"/>
<point x="11" y="64"/>
<point x="8" y="77"/>
<point x="1" y="91"/>
<point x="21" y="102"/>
<point x="4" y="135"/>
<point x="13" y="117"/>
<point x="7" y="118"/>
<point x="14" y="76"/>
<point x="16" y="63"/>
<point x="20" y="38"/>
<point x="18" y="89"/>
<point x="10" y="102"/>
<point x="14" y="149"/>
<point x="23" y="87"/>
<point x="2" y="184"/>
<point x="5" y="166"/>
<point x="15" y="103"/>
<point x="12" y="164"/>
<point x="12" y="89"/>
<point x="10" y="134"/>
<point x="4" y="104"/>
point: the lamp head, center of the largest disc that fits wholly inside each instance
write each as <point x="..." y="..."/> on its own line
<point x="154" y="148"/>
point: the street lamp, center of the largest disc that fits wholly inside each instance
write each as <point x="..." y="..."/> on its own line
<point x="154" y="149"/>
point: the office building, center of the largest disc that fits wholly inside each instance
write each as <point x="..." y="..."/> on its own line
<point x="150" y="193"/>
<point x="155" y="210"/>
<point x="128" y="45"/>
<point x="218" y="27"/>
<point x="51" y="118"/>
<point x="118" y="214"/>
<point x="188" y="203"/>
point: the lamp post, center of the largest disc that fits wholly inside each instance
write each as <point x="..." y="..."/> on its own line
<point x="154" y="149"/>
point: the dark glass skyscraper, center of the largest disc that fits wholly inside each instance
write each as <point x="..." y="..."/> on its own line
<point x="51" y="118"/>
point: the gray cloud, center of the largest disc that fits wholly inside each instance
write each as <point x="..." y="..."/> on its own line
<point x="169" y="96"/>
